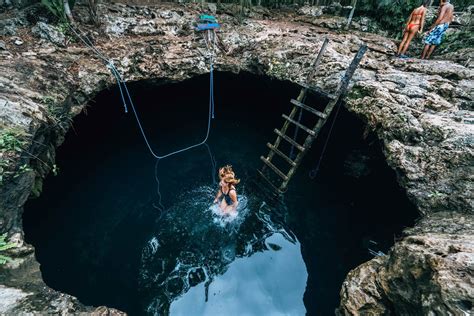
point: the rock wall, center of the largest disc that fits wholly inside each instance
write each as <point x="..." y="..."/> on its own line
<point x="428" y="272"/>
<point x="420" y="110"/>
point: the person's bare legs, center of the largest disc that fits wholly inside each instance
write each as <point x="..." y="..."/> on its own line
<point x="411" y="34"/>
<point x="425" y="50"/>
<point x="430" y="51"/>
<point x="400" y="48"/>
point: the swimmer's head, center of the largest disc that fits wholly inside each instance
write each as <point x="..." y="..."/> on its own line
<point x="227" y="169"/>
<point x="230" y="179"/>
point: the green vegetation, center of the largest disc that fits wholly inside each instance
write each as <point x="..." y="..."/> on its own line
<point x="12" y="140"/>
<point x="12" y="143"/>
<point x="60" y="9"/>
<point x="56" y="112"/>
<point x="457" y="40"/>
<point x="4" y="246"/>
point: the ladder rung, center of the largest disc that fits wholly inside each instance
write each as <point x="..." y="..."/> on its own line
<point x="318" y="91"/>
<point x="269" y="182"/>
<point x="304" y="128"/>
<point x="309" y="109"/>
<point x="282" y="155"/>
<point x="274" y="168"/>
<point x="298" y="146"/>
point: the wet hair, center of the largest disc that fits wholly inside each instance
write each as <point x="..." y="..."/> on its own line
<point x="231" y="179"/>
<point x="227" y="169"/>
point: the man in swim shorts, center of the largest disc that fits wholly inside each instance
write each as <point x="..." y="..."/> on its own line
<point x="435" y="34"/>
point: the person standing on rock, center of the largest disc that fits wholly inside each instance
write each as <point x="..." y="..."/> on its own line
<point x="415" y="24"/>
<point x="436" y="32"/>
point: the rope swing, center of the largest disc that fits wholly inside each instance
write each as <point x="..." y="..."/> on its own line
<point x="207" y="24"/>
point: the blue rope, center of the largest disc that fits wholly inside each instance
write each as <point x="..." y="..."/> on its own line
<point x="121" y="82"/>
<point x="211" y="88"/>
<point x="124" y="91"/>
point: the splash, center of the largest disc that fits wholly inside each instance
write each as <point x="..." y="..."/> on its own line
<point x="197" y="244"/>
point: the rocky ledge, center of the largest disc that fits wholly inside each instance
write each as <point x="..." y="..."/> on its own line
<point x="429" y="272"/>
<point x="420" y="110"/>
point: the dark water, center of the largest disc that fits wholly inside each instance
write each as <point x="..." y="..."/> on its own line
<point x="105" y="233"/>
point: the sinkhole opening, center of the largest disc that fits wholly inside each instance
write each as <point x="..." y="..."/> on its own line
<point x="117" y="227"/>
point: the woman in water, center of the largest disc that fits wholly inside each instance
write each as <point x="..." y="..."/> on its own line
<point x="227" y="196"/>
<point x="415" y="24"/>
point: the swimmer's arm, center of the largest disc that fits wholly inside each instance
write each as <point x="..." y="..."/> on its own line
<point x="218" y="195"/>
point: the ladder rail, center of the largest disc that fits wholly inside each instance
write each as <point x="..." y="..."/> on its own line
<point x="300" y="98"/>
<point x="327" y="111"/>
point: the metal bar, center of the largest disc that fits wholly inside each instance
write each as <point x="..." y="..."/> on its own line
<point x="298" y="146"/>
<point x="282" y="155"/>
<point x="274" y="168"/>
<point x="304" y="128"/>
<point x="309" y="109"/>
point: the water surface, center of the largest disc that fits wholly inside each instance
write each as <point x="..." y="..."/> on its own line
<point x="117" y="228"/>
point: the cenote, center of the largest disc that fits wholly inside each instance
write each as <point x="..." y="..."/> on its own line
<point x="116" y="228"/>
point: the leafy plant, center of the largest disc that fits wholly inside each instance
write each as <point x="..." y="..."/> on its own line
<point x="23" y="168"/>
<point x="55" y="169"/>
<point x="12" y="143"/>
<point x="4" y="246"/>
<point x="11" y="140"/>
<point x="56" y="7"/>
<point x="3" y="170"/>
<point x="61" y="9"/>
<point x="56" y="112"/>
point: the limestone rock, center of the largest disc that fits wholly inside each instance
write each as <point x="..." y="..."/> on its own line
<point x="311" y="10"/>
<point x="421" y="111"/>
<point x="428" y="272"/>
<point x="50" y="33"/>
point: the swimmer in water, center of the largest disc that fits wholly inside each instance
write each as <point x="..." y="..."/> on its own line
<point x="226" y="197"/>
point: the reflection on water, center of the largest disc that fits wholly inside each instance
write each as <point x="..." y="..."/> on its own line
<point x="198" y="261"/>
<point x="253" y="285"/>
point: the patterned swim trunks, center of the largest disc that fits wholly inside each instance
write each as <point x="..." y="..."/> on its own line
<point x="436" y="35"/>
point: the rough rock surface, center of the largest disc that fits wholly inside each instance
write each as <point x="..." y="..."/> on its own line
<point x="23" y="291"/>
<point x="420" y="110"/>
<point x="429" y="272"/>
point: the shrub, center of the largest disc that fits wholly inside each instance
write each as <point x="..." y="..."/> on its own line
<point x="4" y="246"/>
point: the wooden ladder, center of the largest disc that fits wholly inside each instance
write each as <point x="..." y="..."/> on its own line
<point x="312" y="132"/>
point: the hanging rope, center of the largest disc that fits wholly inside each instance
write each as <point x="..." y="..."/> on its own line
<point x="159" y="205"/>
<point x="315" y="170"/>
<point x="125" y="95"/>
